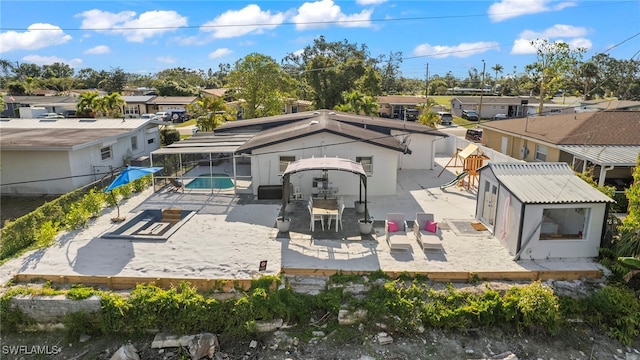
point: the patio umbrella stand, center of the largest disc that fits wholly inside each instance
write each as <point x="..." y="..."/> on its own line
<point x="126" y="176"/>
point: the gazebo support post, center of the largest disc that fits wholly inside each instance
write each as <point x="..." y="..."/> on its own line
<point x="285" y="193"/>
<point x="366" y="210"/>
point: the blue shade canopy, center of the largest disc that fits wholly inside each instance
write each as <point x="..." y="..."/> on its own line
<point x="131" y="173"/>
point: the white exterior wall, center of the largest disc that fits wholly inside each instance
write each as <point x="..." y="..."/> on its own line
<point x="422" y="148"/>
<point x="265" y="164"/>
<point x="571" y="248"/>
<point x="20" y="166"/>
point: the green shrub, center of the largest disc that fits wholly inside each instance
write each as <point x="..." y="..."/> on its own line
<point x="83" y="323"/>
<point x="140" y="184"/>
<point x="616" y="310"/>
<point x="11" y="318"/>
<point x="533" y="307"/>
<point x="48" y="232"/>
<point x="80" y="292"/>
<point x="93" y="201"/>
<point x="77" y="217"/>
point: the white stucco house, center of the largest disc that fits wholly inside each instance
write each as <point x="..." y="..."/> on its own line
<point x="541" y="210"/>
<point x="55" y="156"/>
<point x="382" y="145"/>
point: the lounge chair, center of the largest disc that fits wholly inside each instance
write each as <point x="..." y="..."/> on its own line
<point x="177" y="185"/>
<point x="426" y="239"/>
<point x="396" y="232"/>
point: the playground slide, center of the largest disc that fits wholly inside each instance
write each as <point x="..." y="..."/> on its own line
<point x="454" y="181"/>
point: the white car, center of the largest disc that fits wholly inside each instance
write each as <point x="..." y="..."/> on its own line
<point x="50" y="116"/>
<point x="500" y="117"/>
<point x="148" y="116"/>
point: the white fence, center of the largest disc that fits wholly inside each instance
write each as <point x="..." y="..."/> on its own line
<point x="448" y="146"/>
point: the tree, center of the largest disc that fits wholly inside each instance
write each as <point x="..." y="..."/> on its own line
<point x="112" y="105"/>
<point x="428" y="116"/>
<point x="176" y="87"/>
<point x="90" y="79"/>
<point x="89" y="104"/>
<point x="498" y="69"/>
<point x="390" y="73"/>
<point x="262" y="84"/>
<point x="629" y="242"/>
<point x="115" y="81"/>
<point x="552" y="66"/>
<point x="209" y="112"/>
<point x="57" y="70"/>
<point x="588" y="71"/>
<point x="329" y="69"/>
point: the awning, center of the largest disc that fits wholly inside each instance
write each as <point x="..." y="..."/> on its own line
<point x="325" y="163"/>
<point x="604" y="155"/>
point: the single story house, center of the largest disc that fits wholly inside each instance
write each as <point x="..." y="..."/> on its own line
<point x="50" y="104"/>
<point x="512" y="106"/>
<point x="608" y="105"/>
<point x="55" y="156"/>
<point x="606" y="142"/>
<point x="541" y="210"/>
<point x="136" y="105"/>
<point x="168" y="103"/>
<point x="392" y="106"/>
<point x="382" y="146"/>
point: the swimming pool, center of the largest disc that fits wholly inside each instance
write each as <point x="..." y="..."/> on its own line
<point x="218" y="181"/>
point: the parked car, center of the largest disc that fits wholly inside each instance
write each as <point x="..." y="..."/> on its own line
<point x="148" y="116"/>
<point x="445" y="117"/>
<point x="474" y="135"/>
<point x="470" y="115"/>
<point x="500" y="117"/>
<point x="163" y="116"/>
<point x="50" y="116"/>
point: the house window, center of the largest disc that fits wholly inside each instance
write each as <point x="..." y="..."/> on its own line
<point x="564" y="223"/>
<point x="294" y="109"/>
<point x="541" y="153"/>
<point x="367" y="164"/>
<point x="131" y="110"/>
<point x="151" y="140"/>
<point x="134" y="143"/>
<point x="284" y="162"/>
<point x="105" y="153"/>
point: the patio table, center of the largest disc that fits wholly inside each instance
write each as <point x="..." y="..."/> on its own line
<point x="328" y="207"/>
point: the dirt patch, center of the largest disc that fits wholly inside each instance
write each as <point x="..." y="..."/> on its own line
<point x="575" y="342"/>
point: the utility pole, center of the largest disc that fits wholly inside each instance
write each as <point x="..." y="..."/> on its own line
<point x="481" y="91"/>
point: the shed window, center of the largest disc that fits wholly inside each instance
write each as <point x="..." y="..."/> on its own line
<point x="564" y="223"/>
<point x="134" y="143"/>
<point x="367" y="164"/>
<point x="284" y="162"/>
<point x="106" y="153"/>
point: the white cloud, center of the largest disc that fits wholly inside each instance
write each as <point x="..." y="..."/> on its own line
<point x="522" y="45"/>
<point x="507" y="9"/>
<point x="461" y="50"/>
<point x="96" y="50"/>
<point x="319" y="14"/>
<point x="255" y="20"/>
<point x="218" y="53"/>
<point x="36" y="37"/>
<point x="48" y="60"/>
<point x="148" y="24"/>
<point x="166" y="59"/>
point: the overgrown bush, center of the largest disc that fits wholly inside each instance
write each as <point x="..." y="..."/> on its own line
<point x="93" y="201"/>
<point x="617" y="311"/>
<point x="48" y="232"/>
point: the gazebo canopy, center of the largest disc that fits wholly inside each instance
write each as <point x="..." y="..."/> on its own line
<point x="325" y="164"/>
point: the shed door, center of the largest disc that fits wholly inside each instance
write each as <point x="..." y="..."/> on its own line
<point x="489" y="199"/>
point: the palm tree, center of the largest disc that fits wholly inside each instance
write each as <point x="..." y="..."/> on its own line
<point x="112" y="104"/>
<point x="370" y="106"/>
<point x="88" y="103"/>
<point x="498" y="69"/>
<point x="428" y="116"/>
<point x="355" y="99"/>
<point x="209" y="112"/>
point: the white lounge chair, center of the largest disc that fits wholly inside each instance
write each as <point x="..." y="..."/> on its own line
<point x="397" y="240"/>
<point x="426" y="239"/>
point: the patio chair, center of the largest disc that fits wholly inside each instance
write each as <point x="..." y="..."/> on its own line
<point x="177" y="185"/>
<point x="396" y="232"/>
<point x="426" y="238"/>
<point x="338" y="217"/>
<point x="314" y="218"/>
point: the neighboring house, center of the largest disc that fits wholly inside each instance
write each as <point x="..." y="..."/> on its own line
<point x="168" y="103"/>
<point x="215" y="93"/>
<point x="50" y="104"/>
<point x="55" y="156"/>
<point x="382" y="145"/>
<point x="541" y="210"/>
<point x="512" y="106"/>
<point x="605" y="142"/>
<point x="137" y="105"/>
<point x="607" y="105"/>
<point x="293" y="106"/>
<point x="393" y="106"/>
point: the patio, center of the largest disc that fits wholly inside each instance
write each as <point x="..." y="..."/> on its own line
<point x="229" y="235"/>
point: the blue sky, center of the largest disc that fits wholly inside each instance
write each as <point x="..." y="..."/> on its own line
<point x="149" y="36"/>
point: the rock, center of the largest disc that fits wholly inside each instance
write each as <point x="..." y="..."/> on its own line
<point x="296" y="341"/>
<point x="508" y="355"/>
<point x="367" y="357"/>
<point x="420" y="329"/>
<point x="469" y="351"/>
<point x="268" y="326"/>
<point x="203" y="345"/>
<point x="126" y="352"/>
<point x="84" y="338"/>
<point x="253" y="344"/>
<point x="384" y="339"/>
<point x="361" y="327"/>
<point x="318" y="333"/>
<point x="346" y="317"/>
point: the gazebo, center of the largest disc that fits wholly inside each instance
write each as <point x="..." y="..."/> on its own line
<point x="324" y="164"/>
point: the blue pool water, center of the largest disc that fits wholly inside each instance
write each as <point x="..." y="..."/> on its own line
<point x="218" y="181"/>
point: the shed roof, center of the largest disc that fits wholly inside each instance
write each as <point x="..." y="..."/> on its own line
<point x="545" y="183"/>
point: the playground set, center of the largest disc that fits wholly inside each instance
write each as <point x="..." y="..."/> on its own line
<point x="471" y="159"/>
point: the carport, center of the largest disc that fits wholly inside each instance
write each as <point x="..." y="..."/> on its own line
<point x="324" y="164"/>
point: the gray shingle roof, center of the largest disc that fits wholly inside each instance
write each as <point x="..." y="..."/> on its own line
<point x="545" y="183"/>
